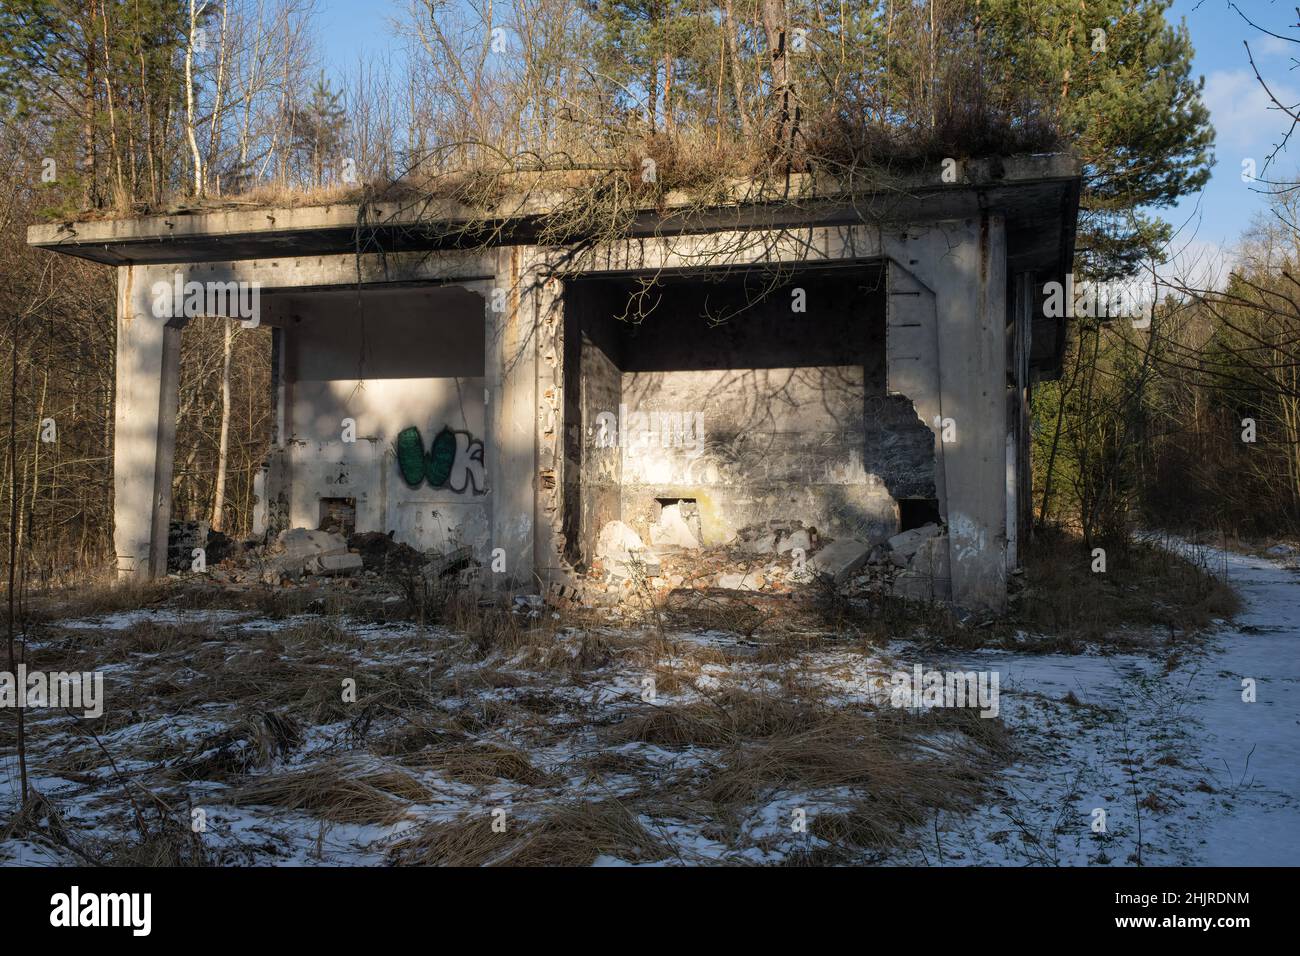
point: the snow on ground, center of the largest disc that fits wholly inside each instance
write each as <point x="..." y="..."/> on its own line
<point x="1210" y="779"/>
<point x="1184" y="770"/>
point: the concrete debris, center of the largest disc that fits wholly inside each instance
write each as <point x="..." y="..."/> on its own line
<point x="779" y="536"/>
<point x="913" y="585"/>
<point x="763" y="563"/>
<point x="620" y="549"/>
<point x="675" y="529"/>
<point x="332" y="564"/>
<point x="305" y="557"/>
<point x="839" y="559"/>
<point x="739" y="581"/>
<point x="799" y="539"/>
<point x="739" y="569"/>
<point x="438" y="564"/>
<point x="927" y="576"/>
<point x="932" y="557"/>
<point x="906" y="543"/>
<point x="381" y="553"/>
<point x="295" y="548"/>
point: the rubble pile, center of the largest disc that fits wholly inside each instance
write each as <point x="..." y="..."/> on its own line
<point x="304" y="557"/>
<point x="779" y="557"/>
<point x="782" y="557"/>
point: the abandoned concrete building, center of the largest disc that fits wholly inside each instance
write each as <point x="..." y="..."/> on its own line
<point x="859" y="362"/>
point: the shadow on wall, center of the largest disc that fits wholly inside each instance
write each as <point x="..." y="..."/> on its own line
<point x="776" y="414"/>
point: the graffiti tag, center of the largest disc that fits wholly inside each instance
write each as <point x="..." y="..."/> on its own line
<point x="453" y="461"/>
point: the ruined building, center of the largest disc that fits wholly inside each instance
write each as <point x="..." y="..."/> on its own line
<point x="861" y="362"/>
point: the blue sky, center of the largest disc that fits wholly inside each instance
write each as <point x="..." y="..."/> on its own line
<point x="1246" y="124"/>
<point x="349" y="28"/>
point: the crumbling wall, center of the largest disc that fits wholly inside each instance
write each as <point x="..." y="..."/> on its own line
<point x="899" y="447"/>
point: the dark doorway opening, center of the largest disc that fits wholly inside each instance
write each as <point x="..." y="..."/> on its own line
<point x="915" y="512"/>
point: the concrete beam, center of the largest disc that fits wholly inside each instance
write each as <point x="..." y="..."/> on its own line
<point x="1021" y="186"/>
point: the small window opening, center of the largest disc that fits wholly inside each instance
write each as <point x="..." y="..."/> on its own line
<point x="338" y="515"/>
<point x="670" y="515"/>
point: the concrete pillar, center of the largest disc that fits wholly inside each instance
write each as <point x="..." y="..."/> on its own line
<point x="976" y="375"/>
<point x="913" y="362"/>
<point x="963" y="262"/>
<point x="549" y="540"/>
<point x="148" y="379"/>
<point x="273" y="481"/>
<point x="510" y="448"/>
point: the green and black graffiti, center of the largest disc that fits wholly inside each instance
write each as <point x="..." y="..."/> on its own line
<point x="455" y="460"/>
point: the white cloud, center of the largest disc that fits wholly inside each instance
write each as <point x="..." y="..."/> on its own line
<point x="1275" y="46"/>
<point x="1198" y="264"/>
<point x="1246" y="122"/>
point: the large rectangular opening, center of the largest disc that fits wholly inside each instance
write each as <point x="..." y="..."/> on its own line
<point x="751" y="398"/>
<point x="384" y="413"/>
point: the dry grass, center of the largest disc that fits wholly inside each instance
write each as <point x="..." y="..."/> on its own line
<point x="253" y="743"/>
<point x="572" y="834"/>
<point x="721" y="721"/>
<point x="481" y="764"/>
<point x="335" y="791"/>
<point x="539" y="716"/>
<point x="102" y="595"/>
<point x="1148" y="598"/>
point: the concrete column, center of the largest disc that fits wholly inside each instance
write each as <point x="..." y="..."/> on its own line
<point x="510" y="448"/>
<point x="273" y="482"/>
<point x="963" y="262"/>
<point x="913" y="362"/>
<point x="148" y="378"/>
<point x="977" y="511"/>
<point x="549" y="541"/>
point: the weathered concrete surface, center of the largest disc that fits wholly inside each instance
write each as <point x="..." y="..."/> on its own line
<point x="948" y="252"/>
<point x="964" y="264"/>
<point x="1029" y="186"/>
<point x="148" y="369"/>
<point x="839" y="559"/>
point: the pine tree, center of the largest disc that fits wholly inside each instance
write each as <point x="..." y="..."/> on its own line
<point x="317" y="128"/>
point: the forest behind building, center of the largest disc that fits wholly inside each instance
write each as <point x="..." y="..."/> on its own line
<point x="113" y="108"/>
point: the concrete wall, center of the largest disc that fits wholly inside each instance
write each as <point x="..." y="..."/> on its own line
<point x="401" y="358"/>
<point x="764" y="444"/>
<point x="528" y="376"/>
<point x="775" y="413"/>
